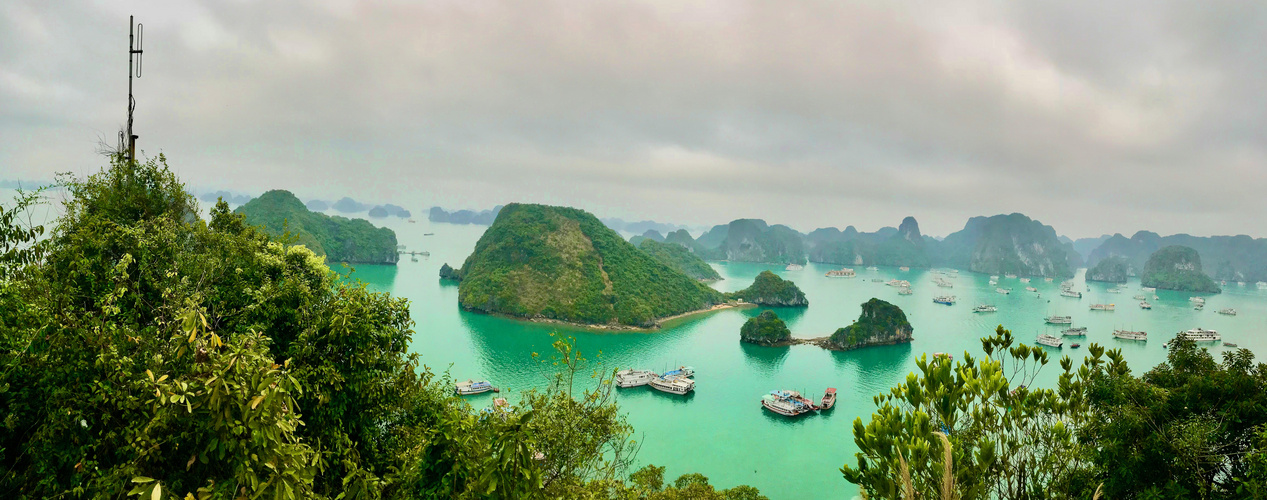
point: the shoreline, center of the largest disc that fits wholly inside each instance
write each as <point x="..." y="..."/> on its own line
<point x="659" y="323"/>
<point x="825" y="343"/>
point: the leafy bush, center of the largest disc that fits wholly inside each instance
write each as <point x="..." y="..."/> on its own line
<point x="340" y="239"/>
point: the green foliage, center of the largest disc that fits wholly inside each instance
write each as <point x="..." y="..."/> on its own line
<point x="146" y="352"/>
<point x="339" y="239"/>
<point x="20" y="243"/>
<point x="562" y="263"/>
<point x="680" y="258"/>
<point x="1113" y="270"/>
<point x="449" y="273"/>
<point x="771" y="290"/>
<point x="1189" y="425"/>
<point x="765" y="329"/>
<point x="1008" y="439"/>
<point x="880" y="323"/>
<point x="1177" y="268"/>
<point x="1010" y="243"/>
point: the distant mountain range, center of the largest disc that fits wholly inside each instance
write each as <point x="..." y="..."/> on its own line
<point x="1230" y="258"/>
<point x="483" y="218"/>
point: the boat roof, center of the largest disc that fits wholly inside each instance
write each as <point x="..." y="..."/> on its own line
<point x="831" y="390"/>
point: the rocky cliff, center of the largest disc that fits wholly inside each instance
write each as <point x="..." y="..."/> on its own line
<point x="1177" y="268"/>
<point x="1008" y="244"/>
<point x="880" y="323"/>
<point x="768" y="289"/>
<point x="1112" y="270"/>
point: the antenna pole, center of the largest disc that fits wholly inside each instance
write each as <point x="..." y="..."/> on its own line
<point x="134" y="47"/>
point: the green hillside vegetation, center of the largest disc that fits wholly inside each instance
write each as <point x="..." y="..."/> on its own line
<point x="680" y="258"/>
<point x="1177" y="268"/>
<point x="880" y="323"/>
<point x="339" y="239"/>
<point x="764" y="329"/>
<point x="1231" y="258"/>
<point x="1112" y="270"/>
<point x="768" y="289"/>
<point x="1004" y="244"/>
<point x="449" y="273"/>
<point x="559" y="263"/>
<point x="752" y="240"/>
<point x="150" y="354"/>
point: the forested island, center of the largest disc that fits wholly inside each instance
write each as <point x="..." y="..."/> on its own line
<point x="1111" y="270"/>
<point x="680" y="258"/>
<point x="481" y="218"/>
<point x="768" y="289"/>
<point x="880" y="323"/>
<point x="765" y="329"/>
<point x="1007" y="244"/>
<point x="558" y="263"/>
<point x="339" y="239"/>
<point x="1231" y="258"/>
<point x="1177" y="268"/>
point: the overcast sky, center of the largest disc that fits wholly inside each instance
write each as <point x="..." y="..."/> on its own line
<point x="1094" y="117"/>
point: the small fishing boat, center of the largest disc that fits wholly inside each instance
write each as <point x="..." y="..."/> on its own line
<point x="634" y="378"/>
<point x="1230" y="344"/>
<point x="829" y="399"/>
<point x="411" y="221"/>
<point x="985" y="308"/>
<point x="673" y="385"/>
<point x="787" y="403"/>
<point x="1031" y="289"/>
<point x="428" y="234"/>
<point x="945" y="299"/>
<point x="473" y="387"/>
<point x="1059" y="320"/>
<point x="1075" y="346"/>
<point x="1050" y="341"/>
<point x="903" y="269"/>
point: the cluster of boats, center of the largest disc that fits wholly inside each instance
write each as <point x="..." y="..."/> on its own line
<point x="679" y="381"/>
<point x="1195" y="335"/>
<point x="793" y="404"/>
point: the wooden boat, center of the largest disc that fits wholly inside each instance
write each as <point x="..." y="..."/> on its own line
<point x="829" y="399"/>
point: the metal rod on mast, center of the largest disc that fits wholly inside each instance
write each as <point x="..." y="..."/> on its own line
<point x="135" y="38"/>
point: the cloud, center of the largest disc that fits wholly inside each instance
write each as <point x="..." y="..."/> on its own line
<point x="1092" y="117"/>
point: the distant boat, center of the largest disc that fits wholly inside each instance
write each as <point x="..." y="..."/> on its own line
<point x="1071" y="293"/>
<point x="1145" y="305"/>
<point x="1049" y="340"/>
<point x="1080" y="331"/>
<point x="794" y="267"/>
<point x="1031" y="289"/>
<point x="985" y="308"/>
<point x="411" y="221"/>
<point x="1009" y="276"/>
<point x="428" y="234"/>
<point x="945" y="299"/>
<point x="1201" y="335"/>
<point x="829" y="399"/>
<point x="1075" y="346"/>
<point x="1024" y="280"/>
<point x="473" y="387"/>
<point x="1229" y="344"/>
<point x="1140" y="297"/>
<point x="1228" y="312"/>
<point x="1059" y="320"/>
<point x="1103" y="307"/>
<point x="1004" y="291"/>
<point x="872" y="268"/>
<point x="900" y="283"/>
<point x="841" y="273"/>
<point x="1130" y="335"/>
<point x="1148" y="288"/>
<point x="903" y="268"/>
<point x="1049" y="280"/>
<point x="904" y="291"/>
<point x="679" y="385"/>
<point x="994" y="282"/>
<point x="1240" y="283"/>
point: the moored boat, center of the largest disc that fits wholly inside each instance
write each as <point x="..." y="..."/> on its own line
<point x="903" y="269"/>
<point x="1071" y="293"/>
<point x="1228" y="312"/>
<point x="984" y="308"/>
<point x="794" y="267"/>
<point x="1050" y="341"/>
<point x="1145" y="305"/>
<point x="1004" y="291"/>
<point x="1031" y="289"/>
<point x="829" y="399"/>
<point x="1130" y="335"/>
<point x="1075" y="345"/>
<point x="945" y="299"/>
<point x="1201" y="335"/>
<point x="634" y="378"/>
<point x="473" y="387"/>
<point x="1080" y="331"/>
<point x="1229" y="344"/>
<point x="673" y="385"/>
<point x="904" y="291"/>
<point x="1059" y="320"/>
<point x="787" y="403"/>
<point x="1103" y="307"/>
<point x="681" y="371"/>
<point x="841" y="273"/>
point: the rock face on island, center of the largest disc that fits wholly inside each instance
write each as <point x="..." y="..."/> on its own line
<point x="449" y="273"/>
<point x="768" y="289"/>
<point x="1005" y="244"/>
<point x="681" y="237"/>
<point x="765" y="329"/>
<point x="337" y="238"/>
<point x="1232" y="258"/>
<point x="544" y="262"/>
<point x="349" y="206"/>
<point x="881" y="323"/>
<point x="1177" y="268"/>
<point x="1112" y="270"/>
<point x="317" y="205"/>
<point x="679" y="258"/>
<point x="752" y="240"/>
<point x="902" y="246"/>
<point x="482" y="218"/>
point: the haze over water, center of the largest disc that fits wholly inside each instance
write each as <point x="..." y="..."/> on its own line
<point x="721" y="430"/>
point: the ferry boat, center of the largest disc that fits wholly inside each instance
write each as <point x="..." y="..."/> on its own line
<point x="1129" y="335"/>
<point x="945" y="299"/>
<point x="1103" y="307"/>
<point x="787" y="403"/>
<point x="1228" y="312"/>
<point x="1201" y="335"/>
<point x="904" y="291"/>
<point x="1024" y="280"/>
<point x="829" y="399"/>
<point x="1031" y="289"/>
<point x="1003" y="291"/>
<point x="473" y="387"/>
<point x="634" y="378"/>
<point x="985" y="308"/>
<point x="1059" y="320"/>
<point x="794" y="267"/>
<point x="841" y="273"/>
<point x="1074" y="332"/>
<point x="1049" y="340"/>
<point x="673" y="385"/>
<point x="1071" y="293"/>
<point x="1145" y="305"/>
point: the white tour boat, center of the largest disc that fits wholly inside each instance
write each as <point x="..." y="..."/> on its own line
<point x="1228" y="312"/>
<point x="1049" y="340"/>
<point x="1059" y="320"/>
<point x="1201" y="335"/>
<point x="1103" y="307"/>
<point x="1080" y="331"/>
<point x="787" y="403"/>
<point x="673" y="385"/>
<point x="841" y="273"/>
<point x="634" y="378"/>
<point x="473" y="387"/>
<point x="945" y="299"/>
<point x="985" y="308"/>
<point x="1129" y="335"/>
<point x="794" y="267"/>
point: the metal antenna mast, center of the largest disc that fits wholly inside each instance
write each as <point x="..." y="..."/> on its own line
<point x="136" y="33"/>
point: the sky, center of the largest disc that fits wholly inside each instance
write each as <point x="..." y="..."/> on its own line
<point x="1095" y="117"/>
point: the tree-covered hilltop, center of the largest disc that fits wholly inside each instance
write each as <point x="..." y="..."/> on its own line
<point x="680" y="258"/>
<point x="752" y="240"/>
<point x="1012" y="244"/>
<point x="560" y="263"/>
<point x="680" y="237"/>
<point x="447" y="272"/>
<point x="881" y="323"/>
<point x="1112" y="270"/>
<point x="339" y="239"/>
<point x="1177" y="268"/>
<point x="902" y="246"/>
<point x="148" y="353"/>
<point x="1231" y="258"/>
<point x="482" y="218"/>
<point x="764" y="329"/>
<point x="768" y="289"/>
